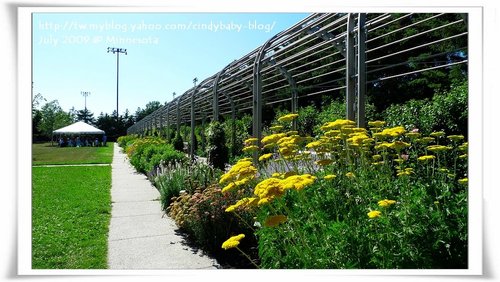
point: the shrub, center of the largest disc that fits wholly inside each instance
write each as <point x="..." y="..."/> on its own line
<point x="178" y="142"/>
<point x="124" y="140"/>
<point x="146" y="153"/>
<point x="202" y="216"/>
<point x="216" y="145"/>
<point x="446" y="111"/>
<point x="243" y="128"/>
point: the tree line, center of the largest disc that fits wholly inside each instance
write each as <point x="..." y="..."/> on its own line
<point x="48" y="116"/>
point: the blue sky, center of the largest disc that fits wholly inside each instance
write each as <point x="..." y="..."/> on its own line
<point x="165" y="51"/>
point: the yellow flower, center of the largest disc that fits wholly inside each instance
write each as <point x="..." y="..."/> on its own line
<point x="297" y="182"/>
<point x="276" y="175"/>
<point x="392" y="132"/>
<point x="376" y="123"/>
<point x="251" y="148"/>
<point x="329" y="176"/>
<point x="339" y="123"/>
<point x="456" y="137"/>
<point x="265" y="157"/>
<point x="273" y="138"/>
<point x="314" y="144"/>
<point x="276" y="128"/>
<point x="357" y="138"/>
<point x="250" y="140"/>
<point x="383" y="145"/>
<point x="413" y="135"/>
<point x="426" y="140"/>
<point x="275" y="220"/>
<point x="463" y="181"/>
<point x="385" y="203"/>
<point x="437" y="148"/>
<point x="426" y="158"/>
<point x="332" y="133"/>
<point x="263" y="201"/>
<point x="464" y="156"/>
<point x="232" y="242"/>
<point x="376" y="157"/>
<point x="437" y="134"/>
<point x="350" y="175"/>
<point x="292" y="132"/>
<point x="324" y="162"/>
<point x="228" y="187"/>
<point x="269" y="187"/>
<point x="374" y="214"/>
<point x="287" y="118"/>
<point x="245" y="202"/>
<point x="464" y="146"/>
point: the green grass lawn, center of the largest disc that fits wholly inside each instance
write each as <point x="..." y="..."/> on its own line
<point x="44" y="154"/>
<point x="71" y="210"/>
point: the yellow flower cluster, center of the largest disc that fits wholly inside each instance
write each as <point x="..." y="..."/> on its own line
<point x="240" y="174"/>
<point x="437" y="134"/>
<point x="250" y="141"/>
<point x="437" y="148"/>
<point x="376" y="123"/>
<point x="329" y="177"/>
<point x="273" y="138"/>
<point x="339" y="123"/>
<point x="276" y="128"/>
<point x="386" y="203"/>
<point x="265" y="157"/>
<point x="251" y="148"/>
<point x="390" y="132"/>
<point x="270" y="188"/>
<point x="456" y="137"/>
<point x="374" y="214"/>
<point x="426" y="158"/>
<point x="245" y="202"/>
<point x="288" y="118"/>
<point x="232" y="242"/>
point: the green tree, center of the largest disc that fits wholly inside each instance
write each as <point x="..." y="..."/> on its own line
<point x="52" y="118"/>
<point x="150" y="108"/>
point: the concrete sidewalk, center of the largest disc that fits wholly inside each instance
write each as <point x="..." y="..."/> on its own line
<point x="140" y="235"/>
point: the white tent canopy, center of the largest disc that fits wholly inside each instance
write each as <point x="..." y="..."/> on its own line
<point x="79" y="127"/>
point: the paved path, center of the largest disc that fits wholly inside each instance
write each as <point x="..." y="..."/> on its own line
<point x="140" y="235"/>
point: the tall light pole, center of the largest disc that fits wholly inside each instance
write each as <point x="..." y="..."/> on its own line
<point x="85" y="94"/>
<point x="117" y="51"/>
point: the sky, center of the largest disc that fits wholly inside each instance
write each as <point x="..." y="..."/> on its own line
<point x="165" y="52"/>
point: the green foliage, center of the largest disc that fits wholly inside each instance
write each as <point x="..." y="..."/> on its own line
<point x="52" y="118"/>
<point x="243" y="127"/>
<point x="170" y="180"/>
<point x="123" y="140"/>
<point x="390" y="200"/>
<point x="71" y="209"/>
<point x="147" y="153"/>
<point x="446" y="111"/>
<point x="178" y="142"/>
<point x="216" y="145"/>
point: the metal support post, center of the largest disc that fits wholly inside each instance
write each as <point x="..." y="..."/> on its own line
<point x="295" y="99"/>
<point x="168" y="122"/>
<point x="361" y="70"/>
<point x="350" y="79"/>
<point x="192" y="123"/>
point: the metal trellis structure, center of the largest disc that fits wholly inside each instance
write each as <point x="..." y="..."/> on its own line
<point x="324" y="54"/>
